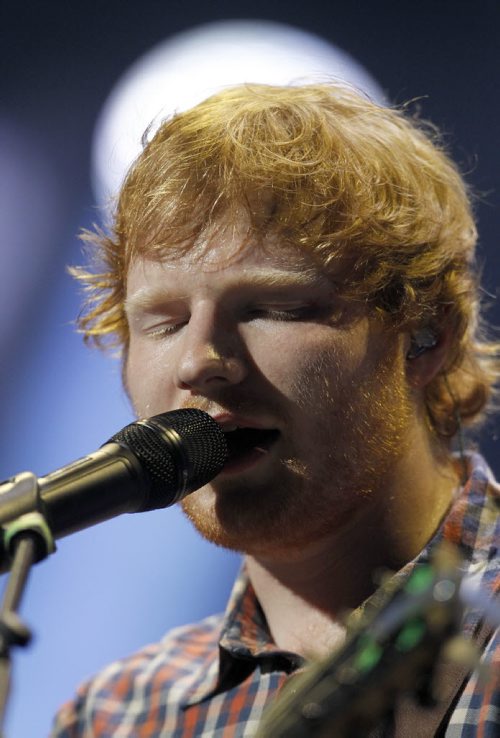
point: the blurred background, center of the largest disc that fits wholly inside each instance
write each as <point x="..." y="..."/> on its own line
<point x="79" y="83"/>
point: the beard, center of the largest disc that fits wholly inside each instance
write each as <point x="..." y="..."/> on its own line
<point x="341" y="441"/>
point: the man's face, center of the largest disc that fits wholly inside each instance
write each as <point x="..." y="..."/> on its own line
<point x="259" y="338"/>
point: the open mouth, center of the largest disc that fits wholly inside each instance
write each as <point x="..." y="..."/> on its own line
<point x="247" y="444"/>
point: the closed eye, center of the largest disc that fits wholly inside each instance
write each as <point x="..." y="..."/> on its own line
<point x="165" y="329"/>
<point x="309" y="311"/>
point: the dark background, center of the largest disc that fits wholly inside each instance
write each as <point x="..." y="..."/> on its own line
<point x="58" y="64"/>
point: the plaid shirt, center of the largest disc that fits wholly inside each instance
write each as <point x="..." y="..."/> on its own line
<point x="215" y="678"/>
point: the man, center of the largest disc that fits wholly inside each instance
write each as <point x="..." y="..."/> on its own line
<point x="299" y="263"/>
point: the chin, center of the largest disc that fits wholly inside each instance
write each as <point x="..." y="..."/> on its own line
<point x="229" y="518"/>
<point x="264" y="522"/>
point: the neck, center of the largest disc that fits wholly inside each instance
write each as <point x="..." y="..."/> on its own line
<point x="306" y="594"/>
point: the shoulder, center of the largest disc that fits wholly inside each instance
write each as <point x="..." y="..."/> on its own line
<point x="179" y="660"/>
<point x="182" y="649"/>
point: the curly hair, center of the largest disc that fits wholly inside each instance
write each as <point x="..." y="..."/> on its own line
<point x="354" y="183"/>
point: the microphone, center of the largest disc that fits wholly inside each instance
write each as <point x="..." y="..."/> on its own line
<point x="149" y="464"/>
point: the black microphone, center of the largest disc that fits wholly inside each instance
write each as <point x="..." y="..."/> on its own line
<point x="149" y="464"/>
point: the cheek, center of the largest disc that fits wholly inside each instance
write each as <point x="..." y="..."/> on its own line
<point x="321" y="376"/>
<point x="292" y="358"/>
<point x="343" y="370"/>
<point x="333" y="361"/>
<point x="147" y="379"/>
<point x="309" y="367"/>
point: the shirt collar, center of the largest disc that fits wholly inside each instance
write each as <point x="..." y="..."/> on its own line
<point x="244" y="642"/>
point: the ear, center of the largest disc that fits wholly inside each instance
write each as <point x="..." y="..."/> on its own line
<point x="426" y="352"/>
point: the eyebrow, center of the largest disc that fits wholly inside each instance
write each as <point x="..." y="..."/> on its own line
<point x="148" y="297"/>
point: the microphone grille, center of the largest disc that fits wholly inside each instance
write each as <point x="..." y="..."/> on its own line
<point x="181" y="451"/>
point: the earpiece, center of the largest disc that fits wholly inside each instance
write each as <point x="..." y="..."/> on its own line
<point x="421" y="341"/>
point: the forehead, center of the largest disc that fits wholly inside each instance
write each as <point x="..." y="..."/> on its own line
<point x="229" y="252"/>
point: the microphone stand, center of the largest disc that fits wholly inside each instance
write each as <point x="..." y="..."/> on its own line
<point x="26" y="540"/>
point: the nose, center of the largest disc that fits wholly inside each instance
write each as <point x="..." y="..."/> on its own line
<point x="211" y="354"/>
